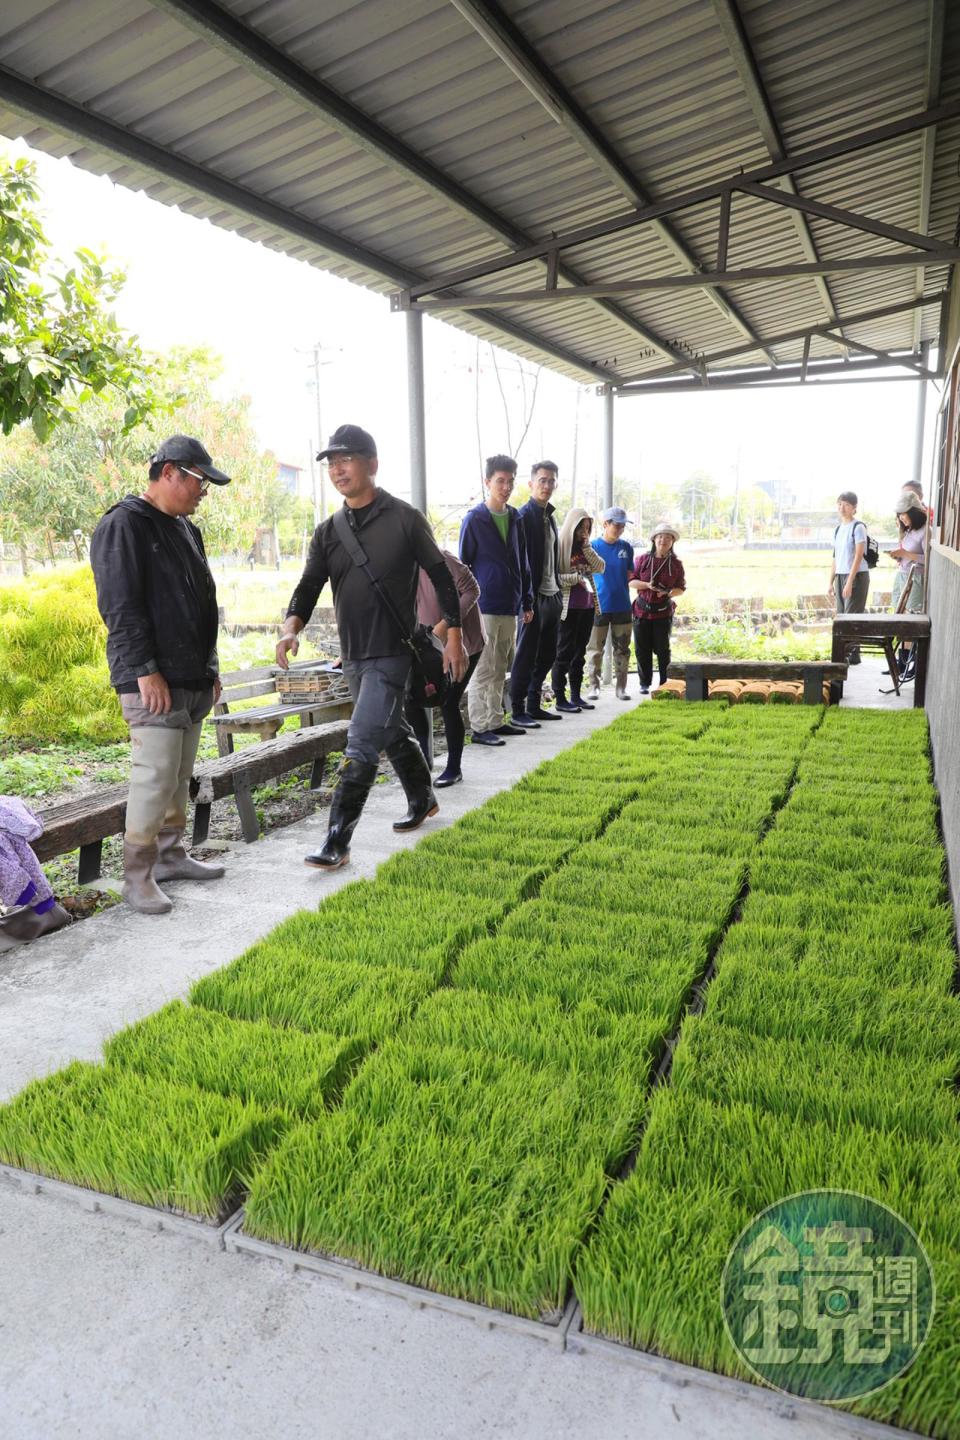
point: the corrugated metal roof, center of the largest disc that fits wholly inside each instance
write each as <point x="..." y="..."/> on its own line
<point x="447" y="159"/>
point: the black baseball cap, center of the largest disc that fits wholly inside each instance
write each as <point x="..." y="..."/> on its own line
<point x="185" y="450"/>
<point x="350" y="440"/>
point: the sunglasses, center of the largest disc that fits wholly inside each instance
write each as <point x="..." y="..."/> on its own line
<point x="204" y="479"/>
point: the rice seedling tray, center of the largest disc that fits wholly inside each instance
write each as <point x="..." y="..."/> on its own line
<point x="725" y="1388"/>
<point x="356" y="1277"/>
<point x="148" y="1217"/>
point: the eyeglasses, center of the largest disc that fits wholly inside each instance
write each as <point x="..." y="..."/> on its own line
<point x="334" y="461"/>
<point x="550" y="480"/>
<point x="204" y="479"/>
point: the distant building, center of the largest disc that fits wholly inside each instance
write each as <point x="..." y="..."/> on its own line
<point x="289" y="477"/>
<point x="816" y="526"/>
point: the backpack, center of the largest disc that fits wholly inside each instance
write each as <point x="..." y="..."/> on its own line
<point x="871" y="550"/>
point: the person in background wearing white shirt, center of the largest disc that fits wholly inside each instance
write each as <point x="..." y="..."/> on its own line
<point x="849" y="575"/>
<point x="910" y="554"/>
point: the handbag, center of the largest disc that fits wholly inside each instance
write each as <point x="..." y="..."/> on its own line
<point x="429" y="681"/>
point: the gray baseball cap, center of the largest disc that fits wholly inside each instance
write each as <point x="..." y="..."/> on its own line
<point x="618" y="516"/>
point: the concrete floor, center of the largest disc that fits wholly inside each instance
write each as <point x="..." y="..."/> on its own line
<point x="108" y="1331"/>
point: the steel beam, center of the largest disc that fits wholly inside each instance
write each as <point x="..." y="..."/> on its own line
<point x="78" y="123"/>
<point x="508" y="41"/>
<point x="788" y="337"/>
<point x="840" y="216"/>
<point x="741" y="52"/>
<point x="928" y="142"/>
<point x="219" y="28"/>
<point x="920" y="420"/>
<point x="701" y="195"/>
<point x="791" y="372"/>
<point x="753" y="275"/>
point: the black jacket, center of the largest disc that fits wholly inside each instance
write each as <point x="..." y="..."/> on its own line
<point x="532" y="516"/>
<point x="398" y="543"/>
<point x="157" y="596"/>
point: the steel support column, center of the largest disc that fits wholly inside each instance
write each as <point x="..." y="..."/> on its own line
<point x="416" y="412"/>
<point x="921" y="418"/>
<point x="607" y="473"/>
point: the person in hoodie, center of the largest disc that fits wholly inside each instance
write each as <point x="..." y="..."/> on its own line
<point x="158" y="600"/>
<point x="578" y="562"/>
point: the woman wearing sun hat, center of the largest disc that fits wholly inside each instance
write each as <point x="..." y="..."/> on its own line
<point x="657" y="578"/>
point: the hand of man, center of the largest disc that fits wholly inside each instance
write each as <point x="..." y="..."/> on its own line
<point x="527" y="616"/>
<point x="286" y="643"/>
<point x="217" y="690"/>
<point x="455" y="657"/>
<point x="155" y="693"/>
<point x="847" y="590"/>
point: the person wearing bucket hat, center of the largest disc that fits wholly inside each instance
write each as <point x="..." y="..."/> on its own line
<point x="158" y="600"/>
<point x="658" y="577"/>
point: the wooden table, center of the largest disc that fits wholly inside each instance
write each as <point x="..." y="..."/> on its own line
<point x="880" y="631"/>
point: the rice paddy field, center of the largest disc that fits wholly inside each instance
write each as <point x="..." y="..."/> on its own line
<point x="697" y="963"/>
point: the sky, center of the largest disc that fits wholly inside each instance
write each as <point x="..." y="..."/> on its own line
<point x="190" y="283"/>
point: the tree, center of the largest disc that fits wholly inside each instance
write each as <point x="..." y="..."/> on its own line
<point x="697" y="495"/>
<point x="59" y="339"/>
<point x="54" y="490"/>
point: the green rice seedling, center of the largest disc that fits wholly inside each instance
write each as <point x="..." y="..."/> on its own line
<point x="841" y="853"/>
<point x="447" y="1169"/>
<point x="607" y="933"/>
<point x="772" y="874"/>
<point x="586" y="1042"/>
<point x="515" y="832"/>
<point x="805" y="1006"/>
<point x="173" y="1146"/>
<point x="279" y="1069"/>
<point x="812" y="955"/>
<point x="652" y="896"/>
<point x="600" y="866"/>
<point x="360" y="1001"/>
<point x="701" y="838"/>
<point x="435" y="873"/>
<point x="808" y="1081"/>
<point x="541" y="1033"/>
<point x="643" y="984"/>
<point x="450" y="844"/>
<point x="821" y="915"/>
<point x="650" y="1275"/>
<point x="926" y="1399"/>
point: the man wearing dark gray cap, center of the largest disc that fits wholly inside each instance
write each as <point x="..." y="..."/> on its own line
<point x="613" y="613"/>
<point x="158" y="600"/>
<point x="398" y="543"/>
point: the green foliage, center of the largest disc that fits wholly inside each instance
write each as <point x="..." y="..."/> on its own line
<point x="160" y="1144"/>
<point x="54" y="683"/>
<point x="30" y="775"/>
<point x="61" y="341"/>
<point x="738" y="640"/>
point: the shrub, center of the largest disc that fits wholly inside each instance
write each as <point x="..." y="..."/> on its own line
<point x="54" y="683"/>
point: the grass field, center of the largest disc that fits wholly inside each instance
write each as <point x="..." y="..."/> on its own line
<point x="779" y="576"/>
<point x="446" y="1073"/>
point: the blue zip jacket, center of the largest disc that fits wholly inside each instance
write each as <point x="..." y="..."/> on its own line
<point x="501" y="569"/>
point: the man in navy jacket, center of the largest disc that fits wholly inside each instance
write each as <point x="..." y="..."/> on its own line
<point x="537" y="646"/>
<point x="492" y="544"/>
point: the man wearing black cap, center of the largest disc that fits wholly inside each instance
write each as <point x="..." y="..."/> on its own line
<point x="397" y="542"/>
<point x="158" y="600"/>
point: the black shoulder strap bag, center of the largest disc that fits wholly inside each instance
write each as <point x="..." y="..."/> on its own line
<point x="429" y="681"/>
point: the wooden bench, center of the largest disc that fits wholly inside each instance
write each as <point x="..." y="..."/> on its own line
<point x="266" y="720"/>
<point x="881" y="631"/>
<point x="813" y="673"/>
<point x="85" y="823"/>
<point x="237" y="774"/>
